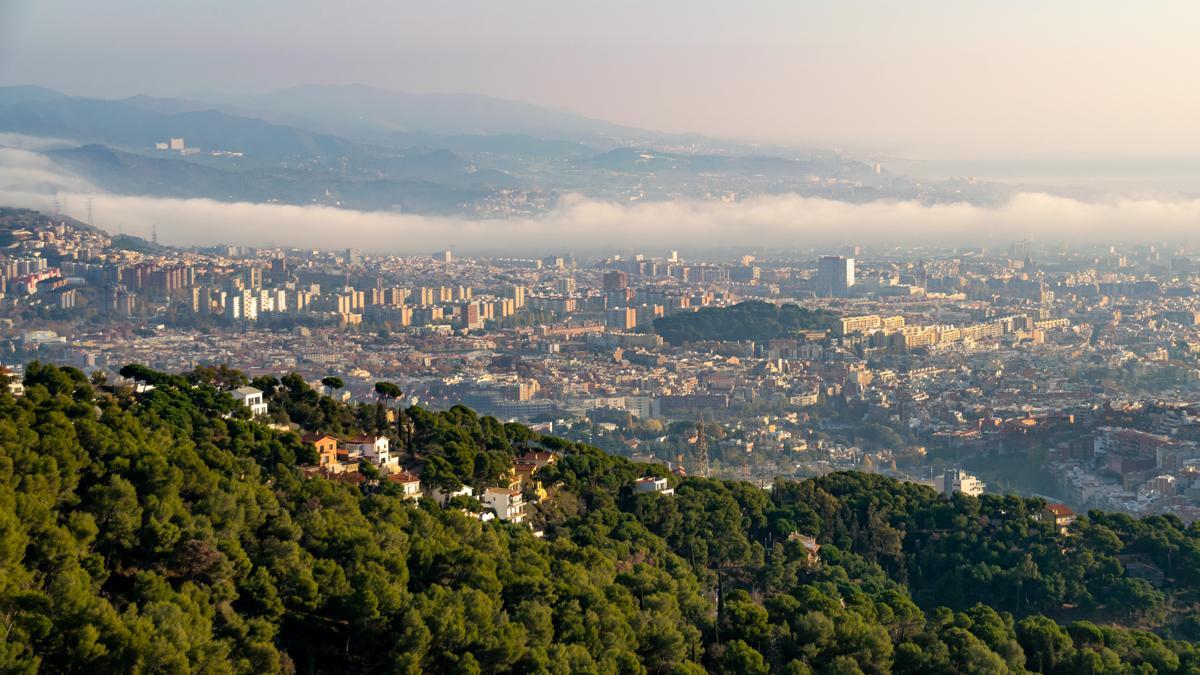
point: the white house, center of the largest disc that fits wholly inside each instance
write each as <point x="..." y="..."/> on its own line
<point x="509" y="505"/>
<point x="408" y="482"/>
<point x="652" y="485"/>
<point x="957" y="480"/>
<point x="251" y="398"/>
<point x="374" y="448"/>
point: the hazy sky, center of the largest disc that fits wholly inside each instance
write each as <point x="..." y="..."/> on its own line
<point x="928" y="78"/>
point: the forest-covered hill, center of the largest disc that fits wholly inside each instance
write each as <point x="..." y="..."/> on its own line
<point x="165" y="531"/>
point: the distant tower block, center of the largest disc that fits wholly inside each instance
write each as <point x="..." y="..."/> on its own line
<point x="701" y="448"/>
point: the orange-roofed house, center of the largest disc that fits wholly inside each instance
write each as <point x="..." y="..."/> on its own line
<point x="326" y="447"/>
<point x="410" y="483"/>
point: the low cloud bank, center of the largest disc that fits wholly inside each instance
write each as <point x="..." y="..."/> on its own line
<point x="584" y="225"/>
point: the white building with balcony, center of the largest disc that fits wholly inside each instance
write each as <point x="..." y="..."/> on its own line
<point x="375" y="448"/>
<point x="509" y="505"/>
<point x="251" y="398"/>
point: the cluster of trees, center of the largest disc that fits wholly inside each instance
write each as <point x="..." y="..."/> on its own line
<point x="166" y="531"/>
<point x="1002" y="551"/>
<point x="750" y="320"/>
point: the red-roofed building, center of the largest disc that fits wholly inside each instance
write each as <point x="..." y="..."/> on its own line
<point x="411" y="483"/>
<point x="1058" y="514"/>
<point x="374" y="448"/>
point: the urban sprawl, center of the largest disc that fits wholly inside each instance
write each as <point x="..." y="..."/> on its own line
<point x="1070" y="372"/>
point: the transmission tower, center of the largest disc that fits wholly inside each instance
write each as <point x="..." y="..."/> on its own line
<point x="701" y="449"/>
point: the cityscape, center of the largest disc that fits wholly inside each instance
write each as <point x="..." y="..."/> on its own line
<point x="654" y="338"/>
<point x="1037" y="369"/>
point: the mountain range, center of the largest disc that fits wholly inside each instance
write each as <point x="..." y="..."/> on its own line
<point x="358" y="147"/>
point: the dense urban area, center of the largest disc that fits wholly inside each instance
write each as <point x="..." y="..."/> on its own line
<point x="1067" y="373"/>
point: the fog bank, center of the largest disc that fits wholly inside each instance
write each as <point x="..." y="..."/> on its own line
<point x="584" y="225"/>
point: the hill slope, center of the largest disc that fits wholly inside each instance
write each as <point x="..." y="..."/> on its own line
<point x="166" y="531"/>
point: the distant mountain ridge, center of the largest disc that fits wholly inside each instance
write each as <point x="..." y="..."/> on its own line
<point x="37" y="112"/>
<point x="360" y="111"/>
<point x="355" y="112"/>
<point x="357" y="147"/>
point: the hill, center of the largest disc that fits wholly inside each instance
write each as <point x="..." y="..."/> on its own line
<point x="167" y="531"/>
<point x="751" y="320"/>
<point x="136" y="124"/>
<point x="427" y="181"/>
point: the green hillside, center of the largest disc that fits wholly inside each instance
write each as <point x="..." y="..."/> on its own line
<point x="750" y="320"/>
<point x="165" y="531"/>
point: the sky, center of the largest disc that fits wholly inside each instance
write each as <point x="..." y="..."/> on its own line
<point x="932" y="79"/>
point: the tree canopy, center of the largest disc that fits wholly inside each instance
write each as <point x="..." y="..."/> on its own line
<point x="751" y="320"/>
<point x="165" y="530"/>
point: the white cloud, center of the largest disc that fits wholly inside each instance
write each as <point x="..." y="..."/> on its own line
<point x="584" y="225"/>
<point x="28" y="172"/>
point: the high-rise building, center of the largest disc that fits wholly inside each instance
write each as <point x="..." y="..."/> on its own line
<point x="835" y="275"/>
<point x="621" y="318"/>
<point x="517" y="293"/>
<point x="353" y="256"/>
<point x="201" y="300"/>
<point x="253" y="278"/>
<point x="249" y="305"/>
<point x="615" y="280"/>
<point x="469" y="315"/>
<point x="1020" y="249"/>
<point x="233" y="307"/>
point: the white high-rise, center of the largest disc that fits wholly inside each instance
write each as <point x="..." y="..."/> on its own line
<point x="835" y="275"/>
